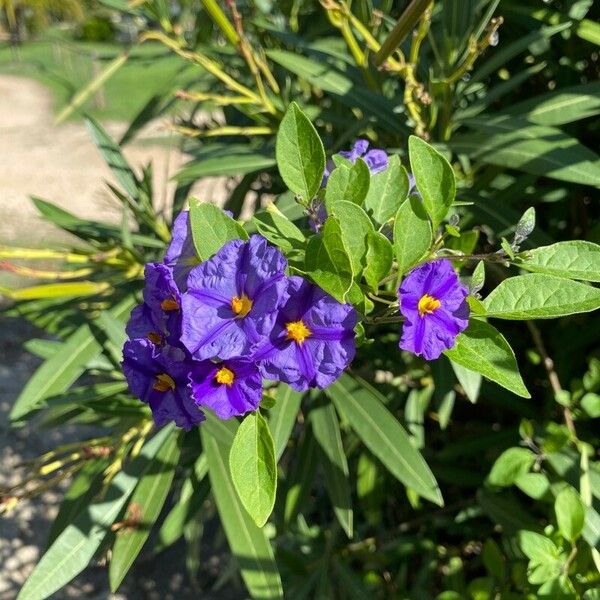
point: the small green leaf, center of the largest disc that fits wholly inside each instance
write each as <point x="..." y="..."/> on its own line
<point x="483" y="349"/>
<point x="211" y="228"/>
<point x="328" y="262"/>
<point x="253" y="467"/>
<point x="493" y="559"/>
<point x="434" y="178"/>
<point x="510" y="465"/>
<point x="539" y="296"/>
<point x="535" y="485"/>
<point x="364" y="408"/>
<point x="327" y="433"/>
<point x="570" y="513"/>
<point x="378" y="260"/>
<point x="388" y="190"/>
<point x="348" y="183"/>
<point x="412" y="234"/>
<point x="279" y="230"/>
<point x="469" y="380"/>
<point x="574" y="259"/>
<point x="538" y="548"/>
<point x="299" y="153"/>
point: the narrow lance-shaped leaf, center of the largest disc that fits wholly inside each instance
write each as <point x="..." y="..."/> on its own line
<point x="434" y="178"/>
<point x="283" y="416"/>
<point x="253" y="467"/>
<point x="539" y="296"/>
<point x="76" y="545"/>
<point x="248" y="543"/>
<point x="146" y="501"/>
<point x="363" y="407"/>
<point x="211" y="228"/>
<point x="299" y="153"/>
<point x="483" y="349"/>
<point x="56" y="374"/>
<point x="327" y="433"/>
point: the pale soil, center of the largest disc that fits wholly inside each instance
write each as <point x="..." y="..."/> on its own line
<point x="61" y="164"/>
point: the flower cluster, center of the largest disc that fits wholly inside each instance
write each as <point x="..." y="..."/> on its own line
<point x="208" y="333"/>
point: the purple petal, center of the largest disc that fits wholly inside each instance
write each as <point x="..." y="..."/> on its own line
<point x="181" y="254"/>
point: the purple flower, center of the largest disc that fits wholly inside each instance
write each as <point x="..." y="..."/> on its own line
<point x="433" y="303"/>
<point x="232" y="299"/>
<point x="377" y="160"/>
<point x="231" y="388"/>
<point x="181" y="254"/>
<point x="312" y="341"/>
<point x="160" y="377"/>
<point x="159" y="317"/>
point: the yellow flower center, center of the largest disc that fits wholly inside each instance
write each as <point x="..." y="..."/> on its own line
<point x="169" y="304"/>
<point x="224" y="376"/>
<point x="297" y="331"/>
<point x="428" y="304"/>
<point x="241" y="306"/>
<point x="163" y="383"/>
<point x="155" y="338"/>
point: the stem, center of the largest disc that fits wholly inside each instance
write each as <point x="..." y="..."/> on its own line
<point x="403" y="27"/>
<point x="552" y="375"/>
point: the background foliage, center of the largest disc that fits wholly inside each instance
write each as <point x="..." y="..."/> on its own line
<point x="508" y="93"/>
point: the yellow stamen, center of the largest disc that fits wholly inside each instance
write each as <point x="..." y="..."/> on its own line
<point x="297" y="331"/>
<point x="155" y="338"/>
<point x="225" y="376"/>
<point x="241" y="306"/>
<point x="428" y="304"/>
<point x="163" y="383"/>
<point x="169" y="304"/>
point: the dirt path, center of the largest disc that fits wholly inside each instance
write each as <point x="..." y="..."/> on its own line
<point x="61" y="164"/>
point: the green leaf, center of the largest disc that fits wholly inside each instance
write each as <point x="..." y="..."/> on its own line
<point x="364" y="409"/>
<point x="348" y="183"/>
<point x="574" y="259"/>
<point x="247" y="541"/>
<point x="378" y="260"/>
<point x="283" y="416"/>
<point x="434" y="178"/>
<point x="211" y="228"/>
<point x="510" y="465"/>
<point x="64" y="367"/>
<point x="570" y="513"/>
<point x="348" y="91"/>
<point x="538" y="548"/>
<point x="387" y="191"/>
<point x="225" y="160"/>
<point x="301" y="475"/>
<point x="253" y="467"/>
<point x="148" y="497"/>
<point x="328" y="262"/>
<point x="299" y="153"/>
<point x="493" y="559"/>
<point x="539" y="296"/>
<point x="535" y="485"/>
<point x="76" y="545"/>
<point x="483" y="349"/>
<point x="562" y="106"/>
<point x="114" y="158"/>
<point x="469" y="380"/>
<point x="279" y="230"/>
<point x="508" y="141"/>
<point x="355" y="226"/>
<point x="326" y="428"/>
<point x="412" y="234"/>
